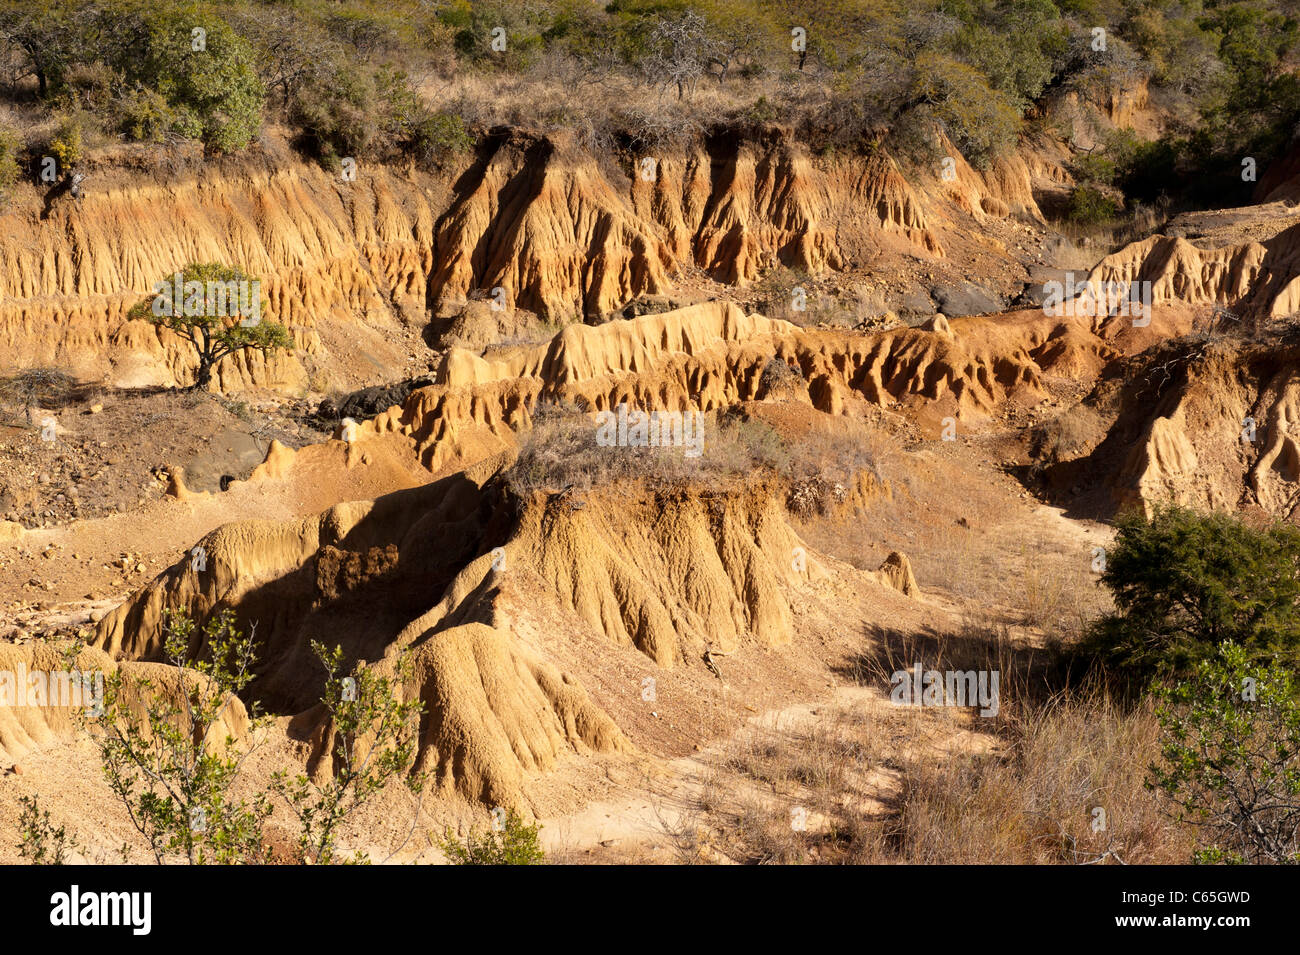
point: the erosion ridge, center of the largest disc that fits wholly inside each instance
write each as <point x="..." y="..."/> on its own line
<point x="422" y="568"/>
<point x="353" y="267"/>
<point x="711" y="356"/>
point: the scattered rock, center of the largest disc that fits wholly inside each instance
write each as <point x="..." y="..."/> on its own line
<point x="965" y="298"/>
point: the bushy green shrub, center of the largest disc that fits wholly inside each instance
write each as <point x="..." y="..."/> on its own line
<point x="1185" y="582"/>
<point x="978" y="119"/>
<point x="144" y="115"/>
<point x="1091" y="206"/>
<point x="434" y="136"/>
<point x="1230" y="757"/>
<point x="374" y="115"/>
<point x="341" y="121"/>
<point x="66" y="143"/>
<point x="214" y="90"/>
<point x="513" y="844"/>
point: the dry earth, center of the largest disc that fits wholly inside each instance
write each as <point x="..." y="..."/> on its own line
<point x="617" y="659"/>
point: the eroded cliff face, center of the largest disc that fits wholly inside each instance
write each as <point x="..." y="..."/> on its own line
<point x="563" y="234"/>
<point x="341" y="264"/>
<point x="464" y="576"/>
<point x="712" y="356"/>
<point x="355" y="268"/>
<point x="1257" y="278"/>
<point x="1224" y="435"/>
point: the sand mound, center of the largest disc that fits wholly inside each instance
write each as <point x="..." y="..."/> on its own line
<point x="40" y="705"/>
<point x="697" y="574"/>
<point x="497" y="712"/>
<point x="1005" y="188"/>
<point x="1216" y="429"/>
<point x="896" y="571"/>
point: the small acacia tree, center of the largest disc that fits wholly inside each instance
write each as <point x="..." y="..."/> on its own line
<point x="375" y="737"/>
<point x="1230" y="757"/>
<point x="217" y="309"/>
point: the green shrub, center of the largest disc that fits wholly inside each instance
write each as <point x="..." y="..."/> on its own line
<point x="436" y="135"/>
<point x="373" y="115"/>
<point x="514" y="844"/>
<point x="341" y="120"/>
<point x="1094" y="167"/>
<point x="1184" y="582"/>
<point x="979" y="120"/>
<point x="1230" y="758"/>
<point x="526" y="27"/>
<point x="66" y="143"/>
<point x="43" y="842"/>
<point x="144" y="115"/>
<point x="411" y="126"/>
<point x="1091" y="206"/>
<point x="215" y="91"/>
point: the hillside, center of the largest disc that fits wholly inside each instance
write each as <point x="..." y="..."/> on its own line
<point x="722" y="432"/>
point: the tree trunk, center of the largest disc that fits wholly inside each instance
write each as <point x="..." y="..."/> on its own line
<point x="202" y="376"/>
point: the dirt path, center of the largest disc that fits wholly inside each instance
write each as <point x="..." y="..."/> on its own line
<point x="661" y="820"/>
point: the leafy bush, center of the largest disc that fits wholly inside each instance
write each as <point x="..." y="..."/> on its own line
<point x="526" y="26"/>
<point x="66" y="143"/>
<point x="375" y="734"/>
<point x="1091" y="206"/>
<point x="373" y="115"/>
<point x="1230" y="757"/>
<point x="43" y="842"/>
<point x="144" y="115"/>
<point x="979" y="120"/>
<point x="513" y="844"/>
<point x="215" y="91"/>
<point x="1184" y="582"/>
<point x="165" y="758"/>
<point x="436" y="136"/>
<point x="341" y="122"/>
